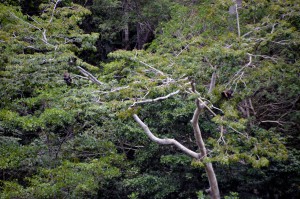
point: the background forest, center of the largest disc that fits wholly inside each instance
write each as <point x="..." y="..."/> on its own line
<point x="74" y="72"/>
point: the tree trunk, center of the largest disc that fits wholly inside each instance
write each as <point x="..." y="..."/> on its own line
<point x="126" y="26"/>
<point x="212" y="179"/>
<point x="213" y="183"/>
<point x="144" y="33"/>
<point x="233" y="12"/>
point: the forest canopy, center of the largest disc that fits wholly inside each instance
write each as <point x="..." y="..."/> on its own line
<point x="149" y="99"/>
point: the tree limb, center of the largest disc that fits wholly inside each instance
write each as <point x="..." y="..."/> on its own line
<point x="33" y="26"/>
<point x="165" y="141"/>
<point x="89" y="75"/>
<point x="214" y="189"/>
<point x="212" y="82"/>
<point x="55" y="5"/>
<point x="237" y="20"/>
<point x="156" y="99"/>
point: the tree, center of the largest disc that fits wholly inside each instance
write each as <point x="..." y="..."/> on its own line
<point x="214" y="189"/>
<point x="203" y="51"/>
<point x="47" y="149"/>
<point x="57" y="118"/>
<point x="123" y="24"/>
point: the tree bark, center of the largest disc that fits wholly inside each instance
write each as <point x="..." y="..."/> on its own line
<point x="213" y="183"/>
<point x="212" y="82"/>
<point x="126" y="26"/>
<point x="143" y="32"/>
<point x="165" y="141"/>
<point x="212" y="179"/>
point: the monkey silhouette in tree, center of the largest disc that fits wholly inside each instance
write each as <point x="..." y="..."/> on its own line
<point x="67" y="78"/>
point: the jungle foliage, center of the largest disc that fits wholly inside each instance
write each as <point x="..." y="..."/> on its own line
<point x="72" y="74"/>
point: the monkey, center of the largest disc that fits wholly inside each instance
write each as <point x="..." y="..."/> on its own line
<point x="72" y="61"/>
<point x="227" y="94"/>
<point x="67" y="78"/>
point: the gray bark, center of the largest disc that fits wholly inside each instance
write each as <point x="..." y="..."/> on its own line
<point x="212" y="179"/>
<point x="212" y="82"/>
<point x="165" y="141"/>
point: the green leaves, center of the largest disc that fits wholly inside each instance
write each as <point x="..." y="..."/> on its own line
<point x="50" y="134"/>
<point x="64" y="139"/>
<point x="70" y="180"/>
<point x="73" y="180"/>
<point x="56" y="117"/>
<point x="15" y="156"/>
<point x="157" y="184"/>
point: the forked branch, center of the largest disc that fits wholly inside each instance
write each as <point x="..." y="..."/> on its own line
<point x="165" y="141"/>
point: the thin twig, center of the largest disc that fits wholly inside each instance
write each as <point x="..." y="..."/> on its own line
<point x="24" y="21"/>
<point x="221" y="138"/>
<point x="45" y="40"/>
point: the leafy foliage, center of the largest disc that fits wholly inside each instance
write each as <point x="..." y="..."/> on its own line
<point x="43" y="133"/>
<point x="76" y="140"/>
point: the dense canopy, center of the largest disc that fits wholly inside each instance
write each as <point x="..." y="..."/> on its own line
<point x="149" y="99"/>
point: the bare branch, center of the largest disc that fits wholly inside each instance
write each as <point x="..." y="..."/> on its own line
<point x="264" y="56"/>
<point x="153" y="68"/>
<point x="273" y="27"/>
<point x="206" y="59"/>
<point x="239" y="74"/>
<point x="165" y="141"/>
<point x="213" y="76"/>
<point x="182" y="50"/>
<point x="221" y="138"/>
<point x="237" y="20"/>
<point x="55" y="5"/>
<point x="158" y="71"/>
<point x="251" y="106"/>
<point x="238" y="131"/>
<point x="156" y="99"/>
<point x="247" y="34"/>
<point x="214" y="189"/>
<point x="185" y="48"/>
<point x="33" y="26"/>
<point x="197" y="131"/>
<point x="112" y="90"/>
<point x="271" y="121"/>
<point x="44" y="36"/>
<point x="89" y="75"/>
<point x="45" y="40"/>
<point x="200" y="103"/>
<point x="212" y="82"/>
<point x="79" y="76"/>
